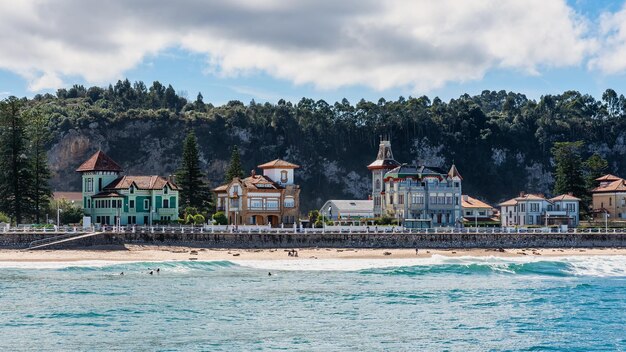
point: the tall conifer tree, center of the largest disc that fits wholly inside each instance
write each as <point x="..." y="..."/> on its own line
<point x="190" y="178"/>
<point x="38" y="135"/>
<point x="234" y="168"/>
<point x="569" y="175"/>
<point x="15" y="169"/>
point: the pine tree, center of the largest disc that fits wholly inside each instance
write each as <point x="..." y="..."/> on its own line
<point x="594" y="167"/>
<point x="568" y="173"/>
<point x="15" y="169"/>
<point x="190" y="178"/>
<point x="234" y="169"/>
<point x="38" y="135"/>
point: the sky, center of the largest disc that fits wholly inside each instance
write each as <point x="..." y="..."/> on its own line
<point x="321" y="49"/>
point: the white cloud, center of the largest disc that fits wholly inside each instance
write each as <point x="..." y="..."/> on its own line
<point x="419" y="44"/>
<point x="611" y="58"/>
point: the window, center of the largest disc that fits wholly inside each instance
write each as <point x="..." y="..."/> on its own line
<point x="417" y="199"/>
<point x="166" y="203"/>
<point x="468" y="213"/>
<point x="132" y="189"/>
<point x="165" y="189"/>
<point x="256" y="203"/>
<point x="449" y="200"/>
<point x="272" y="204"/>
<point x="482" y="213"/>
<point x="610" y="201"/>
<point x="146" y="204"/>
<point x="433" y="199"/>
<point x="457" y="185"/>
<point x="89" y="187"/>
<point x="290" y="202"/>
<point x="401" y="199"/>
<point x="131" y="204"/>
<point x="88" y="203"/>
<point x="441" y="200"/>
<point x="283" y="176"/>
<point x="522" y="207"/>
<point x="377" y="185"/>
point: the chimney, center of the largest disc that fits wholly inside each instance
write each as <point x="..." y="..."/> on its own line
<point x="570" y="194"/>
<point x="171" y="179"/>
<point x="521" y="194"/>
<point x="252" y="173"/>
<point x="465" y="197"/>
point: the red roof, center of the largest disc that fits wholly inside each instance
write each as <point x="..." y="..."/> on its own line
<point x="141" y="182"/>
<point x="99" y="162"/>
<point x="278" y="164"/>
<point x="564" y="197"/>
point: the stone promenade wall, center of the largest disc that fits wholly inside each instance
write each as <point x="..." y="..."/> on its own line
<point x="354" y="240"/>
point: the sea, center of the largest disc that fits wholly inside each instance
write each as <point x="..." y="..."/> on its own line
<point x="435" y="304"/>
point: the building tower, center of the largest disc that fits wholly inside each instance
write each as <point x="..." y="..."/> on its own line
<point x="383" y="163"/>
<point x="97" y="172"/>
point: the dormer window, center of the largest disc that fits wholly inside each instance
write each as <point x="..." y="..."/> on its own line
<point x="165" y="189"/>
<point x="283" y="176"/>
<point x="132" y="189"/>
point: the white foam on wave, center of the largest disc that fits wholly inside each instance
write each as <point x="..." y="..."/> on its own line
<point x="64" y="264"/>
<point x="604" y="266"/>
<point x="580" y="265"/>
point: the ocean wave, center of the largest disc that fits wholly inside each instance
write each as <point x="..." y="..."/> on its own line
<point x="598" y="266"/>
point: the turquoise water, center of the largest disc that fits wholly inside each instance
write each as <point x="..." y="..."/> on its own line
<point x="470" y="304"/>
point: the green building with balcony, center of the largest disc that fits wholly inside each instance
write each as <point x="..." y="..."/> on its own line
<point x="110" y="198"/>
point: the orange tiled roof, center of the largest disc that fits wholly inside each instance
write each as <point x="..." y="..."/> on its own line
<point x="564" y="197"/>
<point x="608" y="178"/>
<point x="260" y="182"/>
<point x="508" y="202"/>
<point x="99" y="162"/>
<point x="615" y="186"/>
<point x="141" y="182"/>
<point x="278" y="163"/>
<point x="75" y="196"/>
<point x="530" y="197"/>
<point x="473" y="203"/>
<point x="221" y="188"/>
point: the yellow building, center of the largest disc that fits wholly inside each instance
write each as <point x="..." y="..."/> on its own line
<point x="610" y="197"/>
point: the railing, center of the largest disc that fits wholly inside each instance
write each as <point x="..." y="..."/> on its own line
<point x="267" y="229"/>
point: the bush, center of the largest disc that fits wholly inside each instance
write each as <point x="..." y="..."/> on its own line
<point x="198" y="219"/>
<point x="4" y="218"/>
<point x="220" y="218"/>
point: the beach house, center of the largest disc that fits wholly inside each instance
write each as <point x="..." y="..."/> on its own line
<point x="609" y="198"/>
<point x="111" y="198"/>
<point x="536" y="210"/>
<point x="271" y="198"/>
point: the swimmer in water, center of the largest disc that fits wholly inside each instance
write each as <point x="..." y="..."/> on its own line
<point x="158" y="270"/>
<point x="151" y="272"/>
<point x="269" y="274"/>
<point x="122" y="273"/>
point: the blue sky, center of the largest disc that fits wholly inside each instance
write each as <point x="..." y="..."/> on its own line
<point x="317" y="49"/>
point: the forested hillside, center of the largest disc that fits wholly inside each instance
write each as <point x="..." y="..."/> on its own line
<point x="500" y="141"/>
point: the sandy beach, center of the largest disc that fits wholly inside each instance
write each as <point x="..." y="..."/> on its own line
<point x="167" y="253"/>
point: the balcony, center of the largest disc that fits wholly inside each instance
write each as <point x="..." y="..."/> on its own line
<point x="264" y="208"/>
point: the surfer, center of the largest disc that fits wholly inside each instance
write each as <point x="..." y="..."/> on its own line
<point x="151" y="272"/>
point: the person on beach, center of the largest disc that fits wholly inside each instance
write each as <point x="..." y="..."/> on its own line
<point x="416" y="251"/>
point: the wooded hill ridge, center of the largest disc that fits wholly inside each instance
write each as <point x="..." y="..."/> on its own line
<point x="500" y="141"/>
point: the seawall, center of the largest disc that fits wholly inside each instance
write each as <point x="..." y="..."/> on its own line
<point x="335" y="240"/>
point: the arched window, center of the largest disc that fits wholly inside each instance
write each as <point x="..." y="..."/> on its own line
<point x="165" y="189"/>
<point x="377" y="185"/>
<point x="283" y="176"/>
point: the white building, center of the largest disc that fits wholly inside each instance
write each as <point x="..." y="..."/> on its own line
<point x="348" y="210"/>
<point x="536" y="210"/>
